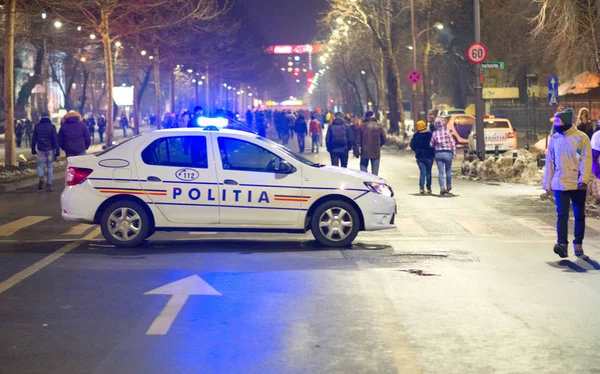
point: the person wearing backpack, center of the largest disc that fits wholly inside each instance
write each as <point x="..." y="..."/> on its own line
<point x="339" y="141"/>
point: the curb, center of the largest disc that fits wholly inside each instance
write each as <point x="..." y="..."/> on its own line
<point x="28" y="182"/>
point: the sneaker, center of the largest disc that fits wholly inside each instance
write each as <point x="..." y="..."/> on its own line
<point x="562" y="250"/>
<point x="443" y="192"/>
<point x="429" y="192"/>
<point x="449" y="189"/>
<point x="579" y="250"/>
<point x="422" y="192"/>
<point x="41" y="183"/>
<point x="48" y="188"/>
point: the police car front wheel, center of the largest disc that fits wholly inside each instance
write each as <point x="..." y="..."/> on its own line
<point x="125" y="224"/>
<point x="335" y="224"/>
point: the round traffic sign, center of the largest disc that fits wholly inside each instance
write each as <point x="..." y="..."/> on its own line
<point x="414" y="77"/>
<point x="477" y="53"/>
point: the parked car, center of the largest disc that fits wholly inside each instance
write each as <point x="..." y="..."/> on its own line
<point x="460" y="126"/>
<point x="451" y="112"/>
<point x="498" y="132"/>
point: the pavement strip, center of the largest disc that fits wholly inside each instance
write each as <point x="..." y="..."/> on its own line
<point x="14" y="226"/>
<point x="27" y="272"/>
<point x="179" y="291"/>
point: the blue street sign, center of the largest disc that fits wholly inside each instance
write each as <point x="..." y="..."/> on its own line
<point x="553" y="90"/>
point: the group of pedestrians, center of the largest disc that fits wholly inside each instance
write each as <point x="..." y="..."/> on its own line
<point x="429" y="146"/>
<point x="23" y="128"/>
<point x="100" y="124"/>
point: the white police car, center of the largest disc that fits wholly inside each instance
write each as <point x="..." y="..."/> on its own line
<point x="211" y="179"/>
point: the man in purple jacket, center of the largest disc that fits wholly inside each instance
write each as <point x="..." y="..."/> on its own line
<point x="74" y="136"/>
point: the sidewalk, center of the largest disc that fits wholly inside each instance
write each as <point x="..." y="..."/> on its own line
<point x="95" y="147"/>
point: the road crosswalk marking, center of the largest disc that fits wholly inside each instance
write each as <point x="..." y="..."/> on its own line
<point x="78" y="229"/>
<point x="410" y="227"/>
<point x="14" y="226"/>
<point x="537" y="226"/>
<point x="476" y="227"/>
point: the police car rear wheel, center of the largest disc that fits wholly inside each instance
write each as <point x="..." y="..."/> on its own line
<point x="125" y="224"/>
<point x="335" y="224"/>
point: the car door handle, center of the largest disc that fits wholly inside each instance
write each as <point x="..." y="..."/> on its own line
<point x="230" y="182"/>
<point x="154" y="179"/>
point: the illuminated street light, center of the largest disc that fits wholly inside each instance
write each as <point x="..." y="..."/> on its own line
<point x="118" y="44"/>
<point x="297" y="58"/>
<point x="282" y="69"/>
<point x="193" y="81"/>
<point x="78" y="28"/>
<point x="57" y="24"/>
<point x="203" y="77"/>
<point x="200" y="83"/>
<point x="190" y="71"/>
<point x="228" y="87"/>
<point x="289" y="70"/>
<point x="225" y="85"/>
<point x="250" y="94"/>
<point x="410" y="47"/>
<point x="290" y="63"/>
<point x="297" y="80"/>
<point x="93" y="36"/>
<point x="439" y="26"/>
<point x="44" y="15"/>
<point x="363" y="72"/>
<point x="339" y="20"/>
<point x="151" y="57"/>
<point x="82" y="59"/>
<point x="31" y="74"/>
<point x="143" y="53"/>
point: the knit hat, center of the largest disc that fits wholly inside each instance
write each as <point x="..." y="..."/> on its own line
<point x="566" y="116"/>
<point x="421" y="126"/>
<point x="369" y="114"/>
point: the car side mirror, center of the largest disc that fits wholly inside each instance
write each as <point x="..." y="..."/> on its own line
<point x="283" y="167"/>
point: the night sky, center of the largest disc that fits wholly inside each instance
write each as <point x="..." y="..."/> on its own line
<point x="286" y="21"/>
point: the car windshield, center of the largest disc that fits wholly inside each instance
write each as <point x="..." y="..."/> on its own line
<point x="283" y="149"/>
<point x="497" y="124"/>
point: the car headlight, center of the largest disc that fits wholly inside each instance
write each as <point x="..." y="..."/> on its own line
<point x="380" y="188"/>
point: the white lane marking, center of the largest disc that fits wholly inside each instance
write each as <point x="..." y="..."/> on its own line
<point x="180" y="291"/>
<point x="14" y="226"/>
<point x="26" y="273"/>
<point x="410" y="227"/>
<point x="537" y="226"/>
<point x="78" y="229"/>
<point x="476" y="227"/>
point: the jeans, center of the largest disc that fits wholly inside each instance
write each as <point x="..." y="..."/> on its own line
<point x="444" y="164"/>
<point x="291" y="133"/>
<point x="563" y="199"/>
<point x="124" y="132"/>
<point x="364" y="165"/>
<point x="339" y="157"/>
<point x="101" y="135"/>
<point x="425" y="166"/>
<point x="45" y="159"/>
<point x="301" y="141"/>
<point x="316" y="141"/>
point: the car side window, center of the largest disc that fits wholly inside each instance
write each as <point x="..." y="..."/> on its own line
<point x="244" y="156"/>
<point x="179" y="151"/>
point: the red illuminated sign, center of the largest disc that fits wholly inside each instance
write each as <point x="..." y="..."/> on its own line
<point x="299" y="49"/>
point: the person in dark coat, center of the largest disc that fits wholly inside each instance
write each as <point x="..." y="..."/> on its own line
<point x="74" y="136"/>
<point x="339" y="140"/>
<point x="19" y="133"/>
<point x="371" y="137"/>
<point x="301" y="129"/>
<point x="28" y="129"/>
<point x="44" y="144"/>
<point x="91" y="122"/>
<point x="101" y="128"/>
<point x="261" y="125"/>
<point x="421" y="144"/>
<point x="124" y="125"/>
<point x="584" y="123"/>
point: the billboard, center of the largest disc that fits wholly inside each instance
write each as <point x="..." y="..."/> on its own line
<point x="123" y="96"/>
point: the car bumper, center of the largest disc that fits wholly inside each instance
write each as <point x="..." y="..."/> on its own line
<point x="78" y="204"/>
<point x="379" y="212"/>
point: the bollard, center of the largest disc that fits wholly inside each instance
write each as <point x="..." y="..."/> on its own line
<point x="496" y="153"/>
<point x="514" y="158"/>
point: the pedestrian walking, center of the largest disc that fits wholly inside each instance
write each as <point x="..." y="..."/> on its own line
<point x="431" y="121"/>
<point x="44" y="144"/>
<point x="355" y="127"/>
<point x="339" y="140"/>
<point x="315" y="134"/>
<point x="261" y="125"/>
<point x="74" y="136"/>
<point x="445" y="151"/>
<point x="421" y="145"/>
<point x="568" y="172"/>
<point x="371" y="137"/>
<point x="91" y="122"/>
<point x="28" y="130"/>
<point x="249" y="118"/>
<point x="124" y="125"/>
<point x="584" y="123"/>
<point x="301" y="129"/>
<point x="101" y="128"/>
<point x="291" y="122"/>
<point x="19" y="128"/>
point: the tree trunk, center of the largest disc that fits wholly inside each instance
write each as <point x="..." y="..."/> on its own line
<point x="136" y="93"/>
<point x="157" y="88"/>
<point x="108" y="61"/>
<point x="144" y="85"/>
<point x="426" y="83"/>
<point x="172" y="73"/>
<point x="25" y="91"/>
<point x="394" y="93"/>
<point x="86" y="75"/>
<point x="10" y="153"/>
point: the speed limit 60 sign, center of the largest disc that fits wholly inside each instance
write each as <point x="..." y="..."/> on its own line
<point x="477" y="53"/>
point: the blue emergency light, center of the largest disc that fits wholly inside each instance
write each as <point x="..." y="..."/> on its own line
<point x="212" y="122"/>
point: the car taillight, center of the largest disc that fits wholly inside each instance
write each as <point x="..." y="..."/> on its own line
<point x="76" y="176"/>
<point x="474" y="136"/>
<point x="510" y="134"/>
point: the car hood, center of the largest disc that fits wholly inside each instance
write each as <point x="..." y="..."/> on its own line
<point x="344" y="174"/>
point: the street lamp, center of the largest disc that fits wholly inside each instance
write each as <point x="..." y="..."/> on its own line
<point x="150" y="57"/>
<point x="78" y="28"/>
<point x="93" y="36"/>
<point x="44" y="15"/>
<point x="143" y="53"/>
<point x="57" y="24"/>
<point x="190" y="71"/>
<point x="82" y="59"/>
<point x="118" y="44"/>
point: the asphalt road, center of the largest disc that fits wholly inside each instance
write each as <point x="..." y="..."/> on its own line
<point x="467" y="284"/>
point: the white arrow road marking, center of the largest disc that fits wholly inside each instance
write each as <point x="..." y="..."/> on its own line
<point x="180" y="291"/>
